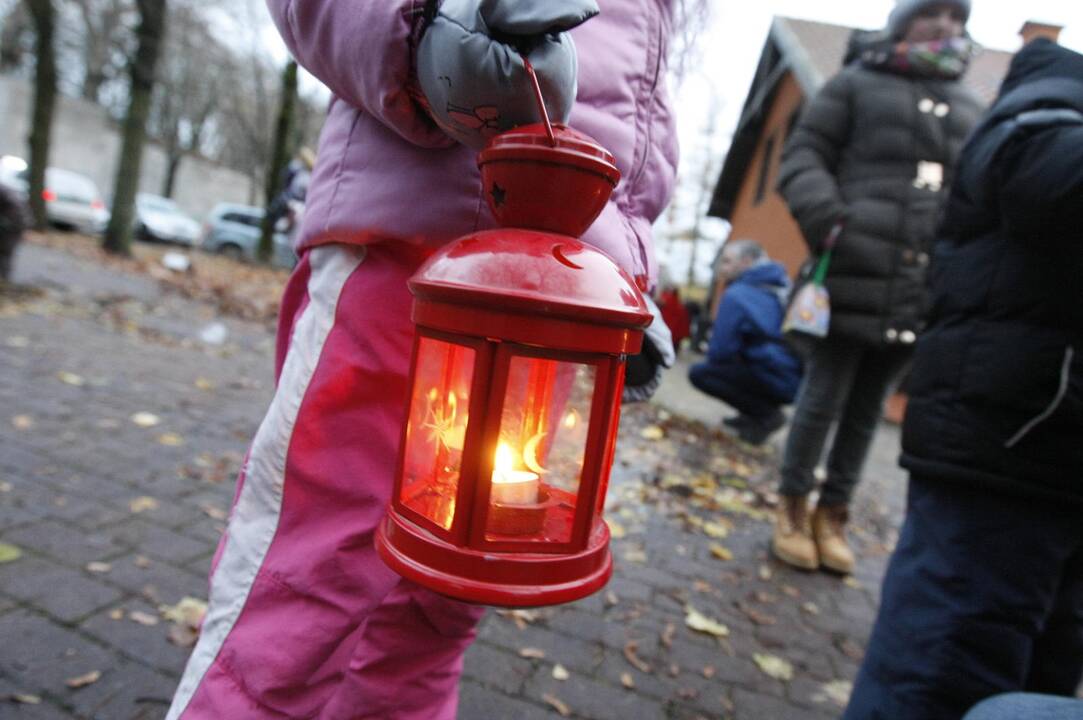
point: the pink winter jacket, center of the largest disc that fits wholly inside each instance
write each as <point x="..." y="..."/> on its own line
<point x="384" y="168"/>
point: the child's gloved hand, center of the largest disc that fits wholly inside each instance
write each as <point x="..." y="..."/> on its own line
<point x="470" y="63"/>
<point x="643" y="373"/>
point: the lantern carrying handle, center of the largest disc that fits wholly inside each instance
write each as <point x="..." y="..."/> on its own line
<point x="541" y="102"/>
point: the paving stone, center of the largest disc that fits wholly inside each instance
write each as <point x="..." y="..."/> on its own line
<point x="594" y="700"/>
<point x="477" y="702"/>
<point x="63" y="542"/>
<point x="498" y="668"/>
<point x="144" y="537"/>
<point x="48" y="654"/>
<point x="63" y="592"/>
<point x="125" y="690"/>
<point x="148" y="644"/>
<point x="154" y="580"/>
<point x="755" y="706"/>
<point x="573" y="653"/>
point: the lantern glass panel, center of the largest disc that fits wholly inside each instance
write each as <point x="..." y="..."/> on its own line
<point x="539" y="456"/>
<point x="436" y="429"/>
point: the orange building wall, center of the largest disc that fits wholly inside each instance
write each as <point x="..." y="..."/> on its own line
<point x="770" y="222"/>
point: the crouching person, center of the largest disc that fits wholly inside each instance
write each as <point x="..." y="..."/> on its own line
<point x="748" y="366"/>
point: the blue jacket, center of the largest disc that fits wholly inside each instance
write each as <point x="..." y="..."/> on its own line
<point x="747" y="328"/>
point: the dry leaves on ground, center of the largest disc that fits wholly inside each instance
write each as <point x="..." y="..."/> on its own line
<point x="774" y="666"/>
<point x="83" y="680"/>
<point x="701" y="623"/>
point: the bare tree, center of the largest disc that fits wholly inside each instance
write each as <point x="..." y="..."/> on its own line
<point x="16" y="37"/>
<point x="279" y="156"/>
<point x="44" y="16"/>
<point x="187" y="96"/>
<point x="152" y="14"/>
<point x="104" y="40"/>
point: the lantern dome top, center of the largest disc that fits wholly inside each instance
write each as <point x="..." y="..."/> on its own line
<point x="547" y="178"/>
<point x="532" y="273"/>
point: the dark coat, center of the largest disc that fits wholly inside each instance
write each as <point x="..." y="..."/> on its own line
<point x="854" y="157"/>
<point x="747" y="329"/>
<point x="996" y="393"/>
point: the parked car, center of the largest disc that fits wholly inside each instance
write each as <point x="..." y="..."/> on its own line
<point x="158" y="219"/>
<point x="234" y="230"/>
<point x="72" y="201"/>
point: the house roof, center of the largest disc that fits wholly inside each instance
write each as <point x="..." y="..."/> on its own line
<point x="813" y="52"/>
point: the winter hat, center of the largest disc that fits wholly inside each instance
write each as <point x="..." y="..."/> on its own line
<point x="905" y="10"/>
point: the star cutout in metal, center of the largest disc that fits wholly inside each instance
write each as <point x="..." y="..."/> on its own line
<point x="499" y="194"/>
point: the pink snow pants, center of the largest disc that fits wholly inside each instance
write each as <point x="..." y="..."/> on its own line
<point x="304" y="620"/>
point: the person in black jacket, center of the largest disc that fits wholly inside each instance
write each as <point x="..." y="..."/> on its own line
<point x="985" y="591"/>
<point x="873" y="153"/>
<point x="13" y="222"/>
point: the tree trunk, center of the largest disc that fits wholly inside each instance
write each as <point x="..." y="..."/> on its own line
<point x="168" y="185"/>
<point x="279" y="156"/>
<point x="44" y="101"/>
<point x="118" y="236"/>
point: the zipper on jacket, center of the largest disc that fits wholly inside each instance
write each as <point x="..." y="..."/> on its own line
<point x="1065" y="378"/>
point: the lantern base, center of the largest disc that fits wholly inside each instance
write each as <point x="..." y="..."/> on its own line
<point x="493" y="578"/>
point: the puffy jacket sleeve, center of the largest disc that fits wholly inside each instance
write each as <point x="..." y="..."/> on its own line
<point x="807" y="177"/>
<point x="362" y="50"/>
<point x="732" y="317"/>
<point x="1041" y="185"/>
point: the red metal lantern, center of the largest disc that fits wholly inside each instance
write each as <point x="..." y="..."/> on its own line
<point x="518" y="368"/>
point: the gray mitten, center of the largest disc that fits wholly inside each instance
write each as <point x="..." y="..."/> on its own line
<point x="643" y="373"/>
<point x="470" y="64"/>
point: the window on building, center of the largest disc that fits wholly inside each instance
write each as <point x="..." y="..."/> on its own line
<point x="765" y="169"/>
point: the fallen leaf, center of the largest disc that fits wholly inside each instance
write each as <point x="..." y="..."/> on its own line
<point x="616" y="530"/>
<point x="9" y="553"/>
<point x="83" y="680"/>
<point x="635" y="555"/>
<point x="708" y="671"/>
<point x="143" y="618"/>
<point x="18" y="341"/>
<point x="674" y="669"/>
<point x="652" y="432"/>
<point x="634" y="660"/>
<point x="69" y="378"/>
<point x="532" y="653"/>
<point x="716" y="530"/>
<point x="170" y="439"/>
<point x="774" y="666"/>
<point x="627" y="680"/>
<point x="189" y="611"/>
<point x="6" y="487"/>
<point x="811" y="608"/>
<point x="850" y="649"/>
<point x="25" y="699"/>
<point x="141" y="561"/>
<point x="836" y="692"/>
<point x="560" y="672"/>
<point x="667" y="635"/>
<point x="851" y="581"/>
<point x="701" y="586"/>
<point x="182" y="636"/>
<point x="116" y="614"/>
<point x="204" y="384"/>
<point x="557" y="704"/>
<point x="687" y="693"/>
<point x="213" y="511"/>
<point x="759" y="618"/>
<point x="99" y="567"/>
<point x="701" y="623"/>
<point x="22" y="422"/>
<point x="145" y="419"/>
<point x="720" y="552"/>
<point x="765" y="573"/>
<point x="142" y="504"/>
<point x="611" y="598"/>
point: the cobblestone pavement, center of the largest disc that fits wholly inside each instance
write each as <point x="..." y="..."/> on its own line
<point x="115" y="517"/>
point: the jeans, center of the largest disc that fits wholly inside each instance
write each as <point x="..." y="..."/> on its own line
<point x="1027" y="706"/>
<point x="846" y="381"/>
<point x="984" y="595"/>
<point x="734" y="384"/>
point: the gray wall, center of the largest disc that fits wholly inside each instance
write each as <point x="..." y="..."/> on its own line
<point x="86" y="140"/>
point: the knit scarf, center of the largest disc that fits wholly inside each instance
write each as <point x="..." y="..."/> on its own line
<point x="946" y="59"/>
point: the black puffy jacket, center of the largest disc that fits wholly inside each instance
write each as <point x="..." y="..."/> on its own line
<point x="996" y="392"/>
<point x="855" y="156"/>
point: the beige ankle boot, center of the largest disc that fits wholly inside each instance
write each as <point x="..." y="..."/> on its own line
<point x="792" y="542"/>
<point x="829" y="529"/>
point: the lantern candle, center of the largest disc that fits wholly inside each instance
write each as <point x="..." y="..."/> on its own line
<point x="512" y="487"/>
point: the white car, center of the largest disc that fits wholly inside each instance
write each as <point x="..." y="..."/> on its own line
<point x="71" y="200"/>
<point x="158" y="219"/>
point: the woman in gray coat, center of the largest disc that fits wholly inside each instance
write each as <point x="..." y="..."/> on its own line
<point x="873" y="153"/>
